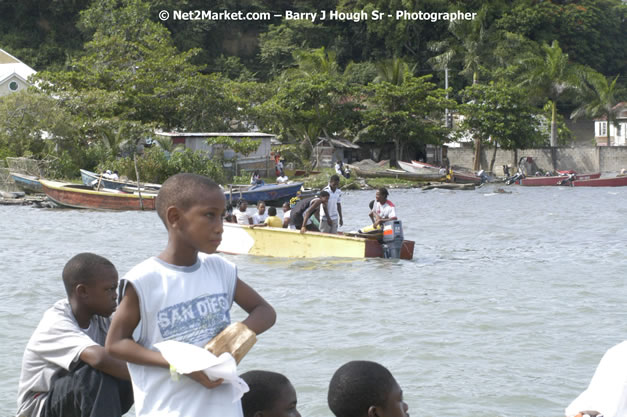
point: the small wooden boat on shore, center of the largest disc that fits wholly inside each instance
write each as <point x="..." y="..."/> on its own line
<point x="288" y="243"/>
<point x="554" y="179"/>
<point x="28" y="183"/>
<point x="618" y="181"/>
<point x="82" y="196"/>
<point x="92" y="179"/>
<point x="271" y="194"/>
<point x="389" y="173"/>
<point x="418" y="169"/>
<point x="456" y="176"/>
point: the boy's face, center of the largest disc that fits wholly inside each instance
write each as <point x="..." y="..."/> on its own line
<point x="381" y="198"/>
<point x="261" y="208"/>
<point x="200" y="226"/>
<point x="101" y="292"/>
<point x="394" y="405"/>
<point x="285" y="405"/>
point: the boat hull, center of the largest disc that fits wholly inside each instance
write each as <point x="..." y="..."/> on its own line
<point x="602" y="182"/>
<point x="288" y="243"/>
<point x="27" y="183"/>
<point x="553" y="180"/>
<point x="271" y="194"/>
<point x="398" y="174"/>
<point x="77" y="196"/>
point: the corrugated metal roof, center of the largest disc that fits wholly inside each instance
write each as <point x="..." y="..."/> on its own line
<point x="339" y="143"/>
<point x="215" y="134"/>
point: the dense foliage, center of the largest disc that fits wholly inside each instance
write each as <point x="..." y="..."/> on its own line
<point x="111" y="72"/>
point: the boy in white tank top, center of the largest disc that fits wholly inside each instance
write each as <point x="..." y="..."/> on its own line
<point x="184" y="294"/>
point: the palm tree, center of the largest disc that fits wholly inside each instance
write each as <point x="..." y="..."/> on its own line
<point x="598" y="97"/>
<point x="549" y="76"/>
<point x="392" y="71"/>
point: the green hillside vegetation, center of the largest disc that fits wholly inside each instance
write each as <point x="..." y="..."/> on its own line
<point x="110" y="72"/>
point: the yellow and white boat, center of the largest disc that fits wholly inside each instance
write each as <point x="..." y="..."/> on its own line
<point x="288" y="243"/>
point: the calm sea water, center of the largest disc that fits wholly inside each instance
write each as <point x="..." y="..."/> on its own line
<point x="506" y="309"/>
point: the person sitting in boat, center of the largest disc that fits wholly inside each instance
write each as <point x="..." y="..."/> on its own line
<point x="271" y="221"/>
<point x="383" y="211"/>
<point x="255" y="179"/>
<point x="260" y="216"/>
<point x="282" y="179"/>
<point x="286" y="215"/>
<point x="270" y="395"/>
<point x="111" y="175"/>
<point x="65" y="368"/>
<point x="304" y="210"/>
<point x="240" y="213"/>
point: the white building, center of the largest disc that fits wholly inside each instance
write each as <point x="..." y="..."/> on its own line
<point x="13" y="74"/>
<point x="617" y="134"/>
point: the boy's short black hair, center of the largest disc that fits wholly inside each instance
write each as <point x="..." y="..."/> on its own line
<point x="383" y="191"/>
<point x="83" y="268"/>
<point x="265" y="388"/>
<point x="335" y="177"/>
<point x="271" y="211"/>
<point x="324" y="193"/>
<point x="181" y="190"/>
<point x="358" y="385"/>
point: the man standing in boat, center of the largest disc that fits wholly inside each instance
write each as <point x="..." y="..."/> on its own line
<point x="305" y="208"/>
<point x="334" y="205"/>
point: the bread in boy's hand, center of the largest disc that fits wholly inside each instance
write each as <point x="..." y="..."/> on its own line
<point x="237" y="339"/>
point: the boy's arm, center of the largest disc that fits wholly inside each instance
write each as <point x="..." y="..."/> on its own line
<point x="120" y="341"/>
<point x="261" y="315"/>
<point x="96" y="357"/>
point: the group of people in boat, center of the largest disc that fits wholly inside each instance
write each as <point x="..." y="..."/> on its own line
<point x="97" y="351"/>
<point x="320" y="213"/>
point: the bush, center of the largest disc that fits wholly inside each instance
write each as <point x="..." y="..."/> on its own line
<point x="156" y="166"/>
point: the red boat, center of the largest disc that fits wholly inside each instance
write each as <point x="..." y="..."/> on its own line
<point x="619" y="181"/>
<point x="81" y="196"/>
<point x="554" y="179"/>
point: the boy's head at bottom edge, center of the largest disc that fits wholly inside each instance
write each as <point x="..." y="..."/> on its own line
<point x="91" y="283"/>
<point x="192" y="208"/>
<point x="271" y="395"/>
<point x="365" y="389"/>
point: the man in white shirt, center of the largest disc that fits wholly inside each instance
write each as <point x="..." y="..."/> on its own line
<point x="334" y="206"/>
<point x="382" y="211"/>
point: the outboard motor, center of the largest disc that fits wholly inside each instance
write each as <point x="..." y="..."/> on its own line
<point x="392" y="240"/>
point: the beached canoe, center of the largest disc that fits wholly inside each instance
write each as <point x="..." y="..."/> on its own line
<point x="389" y="173"/>
<point x="92" y="179"/>
<point x="82" y="196"/>
<point x="288" y="243"/>
<point x="28" y="183"/>
<point x="272" y="194"/>
<point x="456" y="176"/>
<point x="554" y="180"/>
<point x="618" y="181"/>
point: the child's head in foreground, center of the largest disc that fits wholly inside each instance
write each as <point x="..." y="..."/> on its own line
<point x="365" y="389"/>
<point x="271" y="395"/>
<point x="192" y="208"/>
<point x="92" y="281"/>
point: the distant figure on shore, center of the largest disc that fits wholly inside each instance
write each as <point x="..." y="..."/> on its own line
<point x="342" y="170"/>
<point x="271" y="395"/>
<point x="65" y="369"/>
<point x="365" y="389"/>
